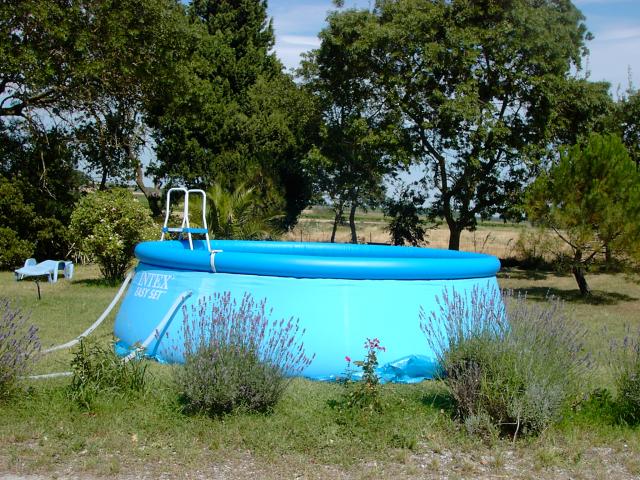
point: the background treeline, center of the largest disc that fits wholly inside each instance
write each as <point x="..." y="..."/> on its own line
<point x="475" y="98"/>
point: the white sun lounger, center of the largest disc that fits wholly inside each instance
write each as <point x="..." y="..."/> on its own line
<point x="49" y="268"/>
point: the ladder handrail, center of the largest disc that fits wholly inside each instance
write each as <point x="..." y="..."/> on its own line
<point x="186" y="227"/>
<point x="168" y="209"/>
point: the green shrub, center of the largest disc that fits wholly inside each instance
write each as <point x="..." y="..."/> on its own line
<point x="19" y="346"/>
<point x="515" y="363"/>
<point x="625" y="364"/>
<point x="97" y="370"/>
<point x="13" y="250"/>
<point x="107" y="225"/>
<point x="236" y="357"/>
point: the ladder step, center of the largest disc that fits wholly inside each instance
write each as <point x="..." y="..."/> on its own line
<point x="195" y="230"/>
<point x="173" y="229"/>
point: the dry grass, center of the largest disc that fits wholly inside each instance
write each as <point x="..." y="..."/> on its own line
<point x="494" y="239"/>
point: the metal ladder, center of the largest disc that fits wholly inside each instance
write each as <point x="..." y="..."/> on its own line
<point x="186" y="228"/>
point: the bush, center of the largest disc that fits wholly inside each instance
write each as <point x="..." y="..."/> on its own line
<point x="107" y="225"/>
<point x="236" y="357"/>
<point x="13" y="250"/>
<point x="625" y="364"/>
<point x="503" y="359"/>
<point x="19" y="346"/>
<point x="52" y="239"/>
<point x="97" y="370"/>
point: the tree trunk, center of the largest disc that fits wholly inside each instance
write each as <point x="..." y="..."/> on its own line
<point x="352" y="223"/>
<point x="103" y="181"/>
<point x="454" y="237"/>
<point x="336" y="220"/>
<point x="578" y="273"/>
<point x="153" y="198"/>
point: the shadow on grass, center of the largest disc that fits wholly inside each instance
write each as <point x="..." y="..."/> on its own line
<point x="439" y="400"/>
<point x="597" y="297"/>
<point x="97" y="282"/>
<point x="520" y="274"/>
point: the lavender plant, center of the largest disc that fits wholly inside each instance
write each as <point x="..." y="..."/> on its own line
<point x="19" y="346"/>
<point x="624" y="361"/>
<point x="505" y="359"/>
<point x="236" y="357"/>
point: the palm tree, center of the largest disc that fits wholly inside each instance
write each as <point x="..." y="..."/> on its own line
<point x="238" y="215"/>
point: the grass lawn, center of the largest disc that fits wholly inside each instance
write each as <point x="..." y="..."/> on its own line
<point x="42" y="432"/>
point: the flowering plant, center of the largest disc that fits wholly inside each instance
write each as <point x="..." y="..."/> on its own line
<point x="366" y="393"/>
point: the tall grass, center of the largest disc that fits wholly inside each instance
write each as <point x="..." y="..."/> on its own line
<point x="624" y="361"/>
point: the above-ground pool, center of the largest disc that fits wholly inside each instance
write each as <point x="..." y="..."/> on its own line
<point x="342" y="294"/>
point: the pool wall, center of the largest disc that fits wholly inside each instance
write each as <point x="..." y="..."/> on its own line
<point x="337" y="313"/>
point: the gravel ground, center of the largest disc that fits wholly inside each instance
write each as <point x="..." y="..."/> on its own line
<point x="594" y="463"/>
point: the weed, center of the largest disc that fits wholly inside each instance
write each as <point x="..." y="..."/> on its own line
<point x="98" y="370"/>
<point x="366" y="392"/>
<point x="19" y="346"/>
<point x="236" y="357"/>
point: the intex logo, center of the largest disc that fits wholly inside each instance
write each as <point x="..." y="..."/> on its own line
<point x="152" y="285"/>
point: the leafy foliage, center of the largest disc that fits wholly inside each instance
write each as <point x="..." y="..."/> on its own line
<point x="19" y="346"/>
<point x="230" y="116"/>
<point x="98" y="371"/>
<point x="360" y="139"/>
<point x="514" y="364"/>
<point x="406" y="225"/>
<point x="16" y="219"/>
<point x="13" y="249"/>
<point x="38" y="170"/>
<point x="475" y="85"/>
<point x="107" y="225"/>
<point x="236" y="357"/>
<point x="237" y="215"/>
<point x="591" y="200"/>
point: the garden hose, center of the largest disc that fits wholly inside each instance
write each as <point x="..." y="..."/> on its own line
<point x="84" y="334"/>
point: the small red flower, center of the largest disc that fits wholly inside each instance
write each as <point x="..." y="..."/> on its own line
<point x="348" y="358"/>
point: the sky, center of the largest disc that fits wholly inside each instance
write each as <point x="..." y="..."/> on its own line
<point x="615" y="25"/>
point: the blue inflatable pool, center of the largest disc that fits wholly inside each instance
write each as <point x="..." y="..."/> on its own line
<point x="341" y="293"/>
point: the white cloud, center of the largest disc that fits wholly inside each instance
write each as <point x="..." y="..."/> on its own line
<point x="299" y="19"/>
<point x="620" y="33"/>
<point x="299" y="40"/>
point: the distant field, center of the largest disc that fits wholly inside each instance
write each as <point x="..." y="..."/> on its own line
<point x="495" y="238"/>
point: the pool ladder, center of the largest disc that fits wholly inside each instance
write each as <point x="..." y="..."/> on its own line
<point x="186" y="229"/>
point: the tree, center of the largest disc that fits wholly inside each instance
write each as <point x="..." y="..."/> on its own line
<point x="360" y="138"/>
<point x="231" y="116"/>
<point x="629" y="123"/>
<point x="591" y="199"/>
<point x="66" y="61"/>
<point x="476" y="84"/>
